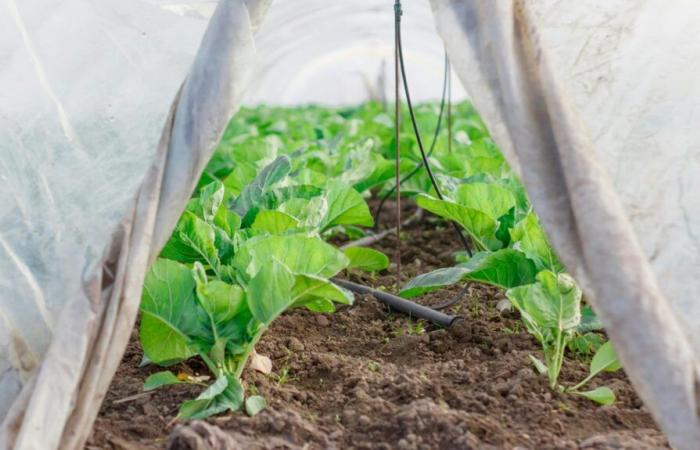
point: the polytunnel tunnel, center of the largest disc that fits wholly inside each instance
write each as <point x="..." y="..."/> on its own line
<point x="308" y="51"/>
<point x="217" y="232"/>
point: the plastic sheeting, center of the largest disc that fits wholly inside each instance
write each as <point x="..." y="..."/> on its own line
<point x="341" y="52"/>
<point x="95" y="168"/>
<point x="68" y="171"/>
<point x="593" y="102"/>
<point x="597" y="103"/>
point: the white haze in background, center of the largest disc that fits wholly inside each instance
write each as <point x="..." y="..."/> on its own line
<point x="342" y="52"/>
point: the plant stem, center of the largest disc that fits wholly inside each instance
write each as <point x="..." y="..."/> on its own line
<point x="557" y="360"/>
<point x="578" y="386"/>
<point x="213" y="368"/>
<point x="249" y="348"/>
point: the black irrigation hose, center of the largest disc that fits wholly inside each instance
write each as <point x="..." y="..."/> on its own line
<point x="414" y="122"/>
<point x="419" y="166"/>
<point x="400" y="304"/>
<point x="397" y="303"/>
<point x="456" y="299"/>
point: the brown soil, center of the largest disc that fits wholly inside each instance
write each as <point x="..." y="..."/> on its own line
<point x="367" y="378"/>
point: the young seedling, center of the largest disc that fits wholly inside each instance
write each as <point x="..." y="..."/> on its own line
<point x="551" y="311"/>
<point x="604" y="360"/>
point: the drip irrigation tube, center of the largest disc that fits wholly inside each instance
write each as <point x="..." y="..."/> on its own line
<point x="414" y="122"/>
<point x="401" y="305"/>
<point x="418" y="166"/>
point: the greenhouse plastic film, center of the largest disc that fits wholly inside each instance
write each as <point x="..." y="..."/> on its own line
<point x="91" y="183"/>
<point x="102" y="144"/>
<point x="341" y="52"/>
<point x="595" y="104"/>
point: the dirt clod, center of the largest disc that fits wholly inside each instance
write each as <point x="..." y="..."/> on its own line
<point x="199" y="435"/>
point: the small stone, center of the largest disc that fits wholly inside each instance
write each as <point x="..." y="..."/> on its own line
<point x="322" y="320"/>
<point x="516" y="389"/>
<point x="504" y="305"/>
<point x="348" y="416"/>
<point x="335" y="435"/>
<point x="502" y="388"/>
<point x="461" y="330"/>
<point x="261" y="363"/>
<point x="150" y="409"/>
<point x="295" y="344"/>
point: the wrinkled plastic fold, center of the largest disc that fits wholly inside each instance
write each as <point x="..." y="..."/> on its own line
<point x="101" y="146"/>
<point x="595" y="104"/>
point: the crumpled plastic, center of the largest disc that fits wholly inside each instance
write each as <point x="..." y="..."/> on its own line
<point x="595" y="104"/>
<point x="110" y="110"/>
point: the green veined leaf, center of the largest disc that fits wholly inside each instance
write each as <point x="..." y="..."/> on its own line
<point x="263" y="182"/>
<point x="274" y="222"/>
<point x="432" y="281"/>
<point x="320" y="305"/>
<point x="312" y="175"/>
<point x="505" y="224"/>
<point x="227" y="312"/>
<point x="219" y="166"/>
<point x="504" y="268"/>
<point x="270" y="291"/>
<point x="522" y="202"/>
<point x="193" y="240"/>
<point x="585" y="344"/>
<point x="254" y="404"/>
<point x="225" y="394"/>
<point x="528" y="237"/>
<point x="309" y="213"/>
<point x="605" y="359"/>
<point x="479" y="225"/>
<point x="309" y="289"/>
<point x="301" y="254"/>
<point x="170" y="314"/>
<point x="303" y="196"/>
<point x="206" y="204"/>
<point x="603" y="395"/>
<point x="159" y="379"/>
<point x="345" y="207"/>
<point x="551" y="303"/>
<point x="274" y="198"/>
<point x="589" y="321"/>
<point x="383" y="171"/>
<point x="227" y="220"/>
<point x="491" y="199"/>
<point x="367" y="259"/>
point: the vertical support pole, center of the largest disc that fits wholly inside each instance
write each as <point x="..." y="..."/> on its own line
<point x="397" y="127"/>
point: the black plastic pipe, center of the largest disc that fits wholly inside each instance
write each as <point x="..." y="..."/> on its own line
<point x="400" y="304"/>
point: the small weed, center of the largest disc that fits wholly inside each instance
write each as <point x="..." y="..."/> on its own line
<point x="412" y="329"/>
<point x="515" y="329"/>
<point x="373" y="366"/>
<point x="283" y="377"/>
